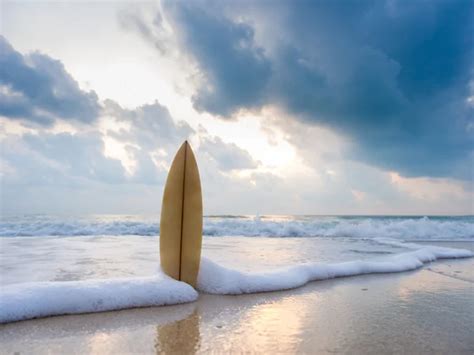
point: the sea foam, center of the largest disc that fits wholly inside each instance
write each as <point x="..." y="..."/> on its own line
<point x="40" y="299"/>
<point x="216" y="279"/>
<point x="414" y="228"/>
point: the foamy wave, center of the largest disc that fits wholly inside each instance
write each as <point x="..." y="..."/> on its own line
<point x="421" y="228"/>
<point x="398" y="228"/>
<point x="219" y="280"/>
<point x="53" y="227"/>
<point x="41" y="299"/>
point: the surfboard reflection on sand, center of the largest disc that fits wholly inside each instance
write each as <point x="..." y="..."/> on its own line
<point x="182" y="336"/>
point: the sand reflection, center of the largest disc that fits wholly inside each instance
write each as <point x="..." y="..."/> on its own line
<point x="277" y="322"/>
<point x="435" y="279"/>
<point x="182" y="336"/>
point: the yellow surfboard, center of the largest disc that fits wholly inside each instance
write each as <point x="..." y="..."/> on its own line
<point x="181" y="218"/>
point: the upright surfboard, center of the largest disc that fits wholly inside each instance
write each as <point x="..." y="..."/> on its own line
<point x="181" y="218"/>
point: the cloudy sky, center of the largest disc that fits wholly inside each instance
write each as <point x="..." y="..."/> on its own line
<point x="291" y="107"/>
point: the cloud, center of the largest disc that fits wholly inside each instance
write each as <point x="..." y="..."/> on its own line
<point x="235" y="69"/>
<point x="346" y="97"/>
<point x="44" y="169"/>
<point x="391" y="77"/>
<point x="70" y="172"/>
<point x="154" y="34"/>
<point x="150" y="126"/>
<point x="59" y="159"/>
<point x="37" y="88"/>
<point x="228" y="156"/>
<point x="151" y="138"/>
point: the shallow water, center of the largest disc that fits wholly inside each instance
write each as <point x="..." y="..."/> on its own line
<point x="415" y="312"/>
<point x="102" y="257"/>
<point x="101" y="272"/>
<point x="62" y="248"/>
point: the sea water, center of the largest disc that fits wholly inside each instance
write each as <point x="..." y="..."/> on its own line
<point x="73" y="264"/>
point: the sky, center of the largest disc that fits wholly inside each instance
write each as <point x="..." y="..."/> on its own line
<point x="291" y="107"/>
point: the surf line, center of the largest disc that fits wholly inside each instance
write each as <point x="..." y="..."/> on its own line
<point x="41" y="299"/>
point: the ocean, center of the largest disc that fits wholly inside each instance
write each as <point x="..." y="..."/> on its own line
<point x="405" y="228"/>
<point x="73" y="264"/>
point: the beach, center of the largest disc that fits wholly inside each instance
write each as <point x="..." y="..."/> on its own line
<point x="226" y="177"/>
<point x="424" y="305"/>
<point x="430" y="310"/>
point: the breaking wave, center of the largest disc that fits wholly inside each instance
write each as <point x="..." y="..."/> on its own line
<point x="404" y="228"/>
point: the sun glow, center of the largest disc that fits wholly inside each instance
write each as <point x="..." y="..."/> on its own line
<point x="269" y="148"/>
<point x="429" y="189"/>
<point x="118" y="150"/>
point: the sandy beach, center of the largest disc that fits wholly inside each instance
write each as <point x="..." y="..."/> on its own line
<point x="430" y="310"/>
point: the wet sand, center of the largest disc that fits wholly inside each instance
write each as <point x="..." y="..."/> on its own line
<point x="430" y="310"/>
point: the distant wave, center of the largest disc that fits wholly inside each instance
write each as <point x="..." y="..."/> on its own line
<point x="398" y="228"/>
<point x="76" y="228"/>
<point x="409" y="228"/>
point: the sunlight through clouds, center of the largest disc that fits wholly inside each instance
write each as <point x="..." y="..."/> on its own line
<point x="340" y="127"/>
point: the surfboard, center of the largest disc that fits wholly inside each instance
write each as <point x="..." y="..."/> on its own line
<point x="181" y="218"/>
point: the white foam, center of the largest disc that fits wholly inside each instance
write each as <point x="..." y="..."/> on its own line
<point x="216" y="279"/>
<point x="419" y="228"/>
<point x="447" y="228"/>
<point x="41" y="299"/>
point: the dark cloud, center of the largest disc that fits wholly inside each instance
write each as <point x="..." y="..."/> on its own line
<point x="38" y="89"/>
<point x="236" y="70"/>
<point x="393" y="77"/>
<point x="228" y="156"/>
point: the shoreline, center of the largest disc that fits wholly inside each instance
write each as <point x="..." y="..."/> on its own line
<point x="427" y="310"/>
<point x="31" y="300"/>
